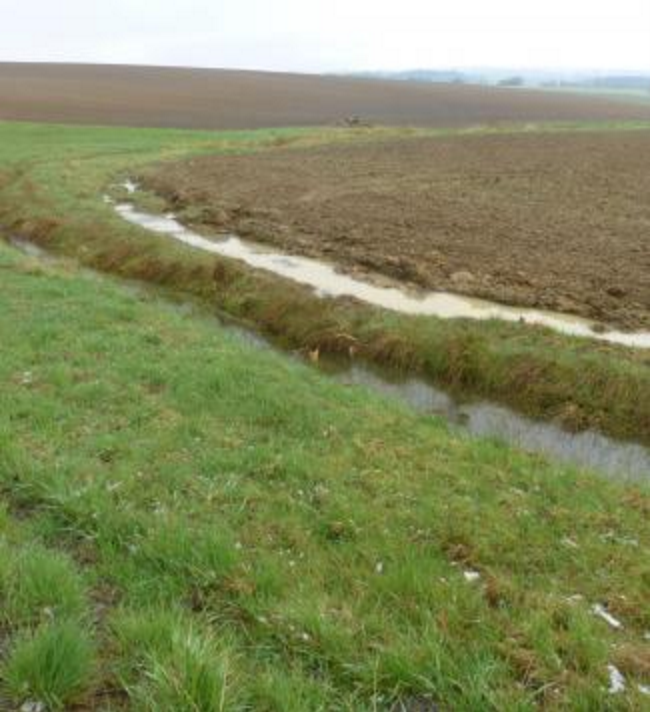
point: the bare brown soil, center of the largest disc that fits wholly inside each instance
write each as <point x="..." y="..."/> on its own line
<point x="557" y="220"/>
<point x="220" y="99"/>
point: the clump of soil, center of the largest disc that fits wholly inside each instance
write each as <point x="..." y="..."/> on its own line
<point x="552" y="220"/>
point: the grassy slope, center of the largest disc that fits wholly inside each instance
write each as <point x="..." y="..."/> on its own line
<point x="51" y="181"/>
<point x="200" y="525"/>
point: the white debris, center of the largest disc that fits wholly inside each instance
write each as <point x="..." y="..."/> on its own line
<point x="379" y="568"/>
<point x="27" y="378"/>
<point x="32" y="706"/>
<point x="644" y="689"/>
<point x="626" y="540"/>
<point x="602" y="612"/>
<point x="471" y="576"/>
<point x="570" y="543"/>
<point x="647" y="635"/>
<point x="576" y="598"/>
<point x="130" y="186"/>
<point x="616" y="680"/>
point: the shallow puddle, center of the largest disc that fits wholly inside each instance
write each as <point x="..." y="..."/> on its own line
<point x="326" y="281"/>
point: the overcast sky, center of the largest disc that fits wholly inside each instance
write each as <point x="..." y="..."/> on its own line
<point x="331" y="35"/>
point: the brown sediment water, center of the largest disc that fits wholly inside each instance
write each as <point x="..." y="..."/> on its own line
<point x="587" y="450"/>
<point x="328" y="282"/>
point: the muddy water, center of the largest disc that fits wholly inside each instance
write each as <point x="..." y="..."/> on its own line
<point x="590" y="450"/>
<point x="326" y="281"/>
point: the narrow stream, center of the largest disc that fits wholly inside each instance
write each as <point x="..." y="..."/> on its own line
<point x="326" y="281"/>
<point x="589" y="450"/>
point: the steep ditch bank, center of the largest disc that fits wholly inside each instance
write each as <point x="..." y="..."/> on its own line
<point x="576" y="384"/>
<point x="590" y="450"/>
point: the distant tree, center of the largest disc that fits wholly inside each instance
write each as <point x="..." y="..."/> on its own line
<point x="511" y="82"/>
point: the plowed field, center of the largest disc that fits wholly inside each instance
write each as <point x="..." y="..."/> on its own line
<point x="219" y="99"/>
<point x="557" y="220"/>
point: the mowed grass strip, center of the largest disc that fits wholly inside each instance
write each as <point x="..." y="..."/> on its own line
<point x="193" y="524"/>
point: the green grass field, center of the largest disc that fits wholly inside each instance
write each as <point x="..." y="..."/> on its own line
<point x="190" y="523"/>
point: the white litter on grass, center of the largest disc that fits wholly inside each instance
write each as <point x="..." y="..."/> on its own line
<point x="570" y="543"/>
<point x="616" y="680"/>
<point x="602" y="612"/>
<point x="131" y="186"/>
<point x="611" y="537"/>
<point x="379" y="568"/>
<point x="644" y="689"/>
<point x="471" y="576"/>
<point x="629" y="541"/>
<point x="32" y="706"/>
<point x="576" y="598"/>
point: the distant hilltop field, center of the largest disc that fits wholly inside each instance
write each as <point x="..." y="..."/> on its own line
<point x="228" y="99"/>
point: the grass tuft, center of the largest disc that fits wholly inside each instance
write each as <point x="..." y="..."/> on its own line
<point x="53" y="665"/>
<point x="37" y="586"/>
<point x="174" y="667"/>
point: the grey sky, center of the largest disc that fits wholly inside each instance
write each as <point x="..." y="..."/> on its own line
<point x="331" y="35"/>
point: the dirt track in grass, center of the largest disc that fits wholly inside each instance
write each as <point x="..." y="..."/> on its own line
<point x="226" y="99"/>
<point x="556" y="220"/>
